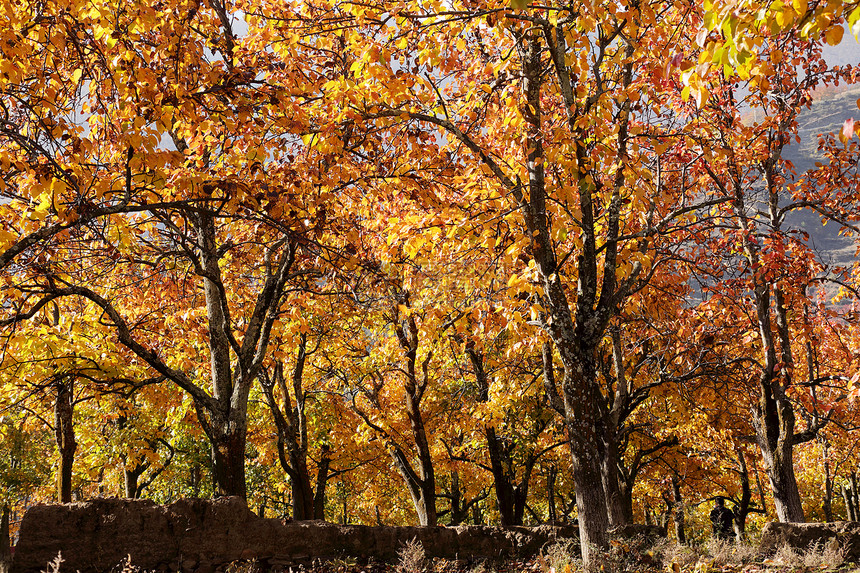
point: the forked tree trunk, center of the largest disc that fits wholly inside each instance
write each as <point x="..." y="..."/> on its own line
<point x="511" y="497"/>
<point x="130" y="480"/>
<point x="744" y="506"/>
<point x="420" y="480"/>
<point x="291" y="424"/>
<point x="505" y="491"/>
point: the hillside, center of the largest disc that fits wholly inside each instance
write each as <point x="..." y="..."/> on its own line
<point x="826" y="116"/>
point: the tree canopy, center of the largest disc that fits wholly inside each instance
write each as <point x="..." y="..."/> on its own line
<point x="422" y="262"/>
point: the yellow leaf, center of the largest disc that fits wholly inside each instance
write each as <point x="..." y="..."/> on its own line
<point x="58" y="187"/>
<point x="833" y="35"/>
<point x="46" y="199"/>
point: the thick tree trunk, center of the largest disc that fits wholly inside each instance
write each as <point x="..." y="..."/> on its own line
<point x="774" y="421"/>
<point x="616" y="504"/>
<point x="775" y="433"/>
<point x="501" y="479"/>
<point x="303" y="495"/>
<point x="130" y="481"/>
<point x="228" y="461"/>
<point x="583" y="424"/>
<point x="65" y="435"/>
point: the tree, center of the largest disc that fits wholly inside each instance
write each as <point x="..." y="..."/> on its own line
<point x="777" y="265"/>
<point x="225" y="195"/>
<point x="568" y="86"/>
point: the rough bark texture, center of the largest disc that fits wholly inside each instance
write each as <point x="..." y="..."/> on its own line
<point x="201" y="535"/>
<point x="65" y="434"/>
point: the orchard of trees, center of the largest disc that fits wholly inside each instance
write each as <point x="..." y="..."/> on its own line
<point x="427" y="261"/>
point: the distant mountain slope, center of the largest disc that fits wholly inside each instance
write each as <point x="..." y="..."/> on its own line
<point x="826" y="116"/>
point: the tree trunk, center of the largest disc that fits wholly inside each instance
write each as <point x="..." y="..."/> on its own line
<point x="421" y="483"/>
<point x="228" y="460"/>
<point x="303" y="495"/>
<point x="477" y="515"/>
<point x="224" y="421"/>
<point x="510" y="497"/>
<point x="501" y="479"/>
<point x="827" y="502"/>
<point x="855" y="498"/>
<point x="5" y="542"/>
<point x="575" y="337"/>
<point x="582" y="422"/>
<point x="678" y="511"/>
<point x="616" y="505"/>
<point x="458" y="504"/>
<point x="322" y="481"/>
<point x="774" y="420"/>
<point x="130" y="481"/>
<point x="552" y="474"/>
<point x="742" y="509"/>
<point x="65" y="435"/>
<point x="849" y="506"/>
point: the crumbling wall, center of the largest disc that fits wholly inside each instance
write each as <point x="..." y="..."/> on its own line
<point x="203" y="535"/>
<point x="802" y="536"/>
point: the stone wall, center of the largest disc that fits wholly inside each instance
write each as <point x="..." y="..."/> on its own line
<point x="202" y="535"/>
<point x="802" y="536"/>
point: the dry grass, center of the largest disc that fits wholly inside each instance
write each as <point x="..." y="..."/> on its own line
<point x="829" y="555"/>
<point x="54" y="565"/>
<point x="725" y="552"/>
<point x="560" y="557"/>
<point x="412" y="558"/>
